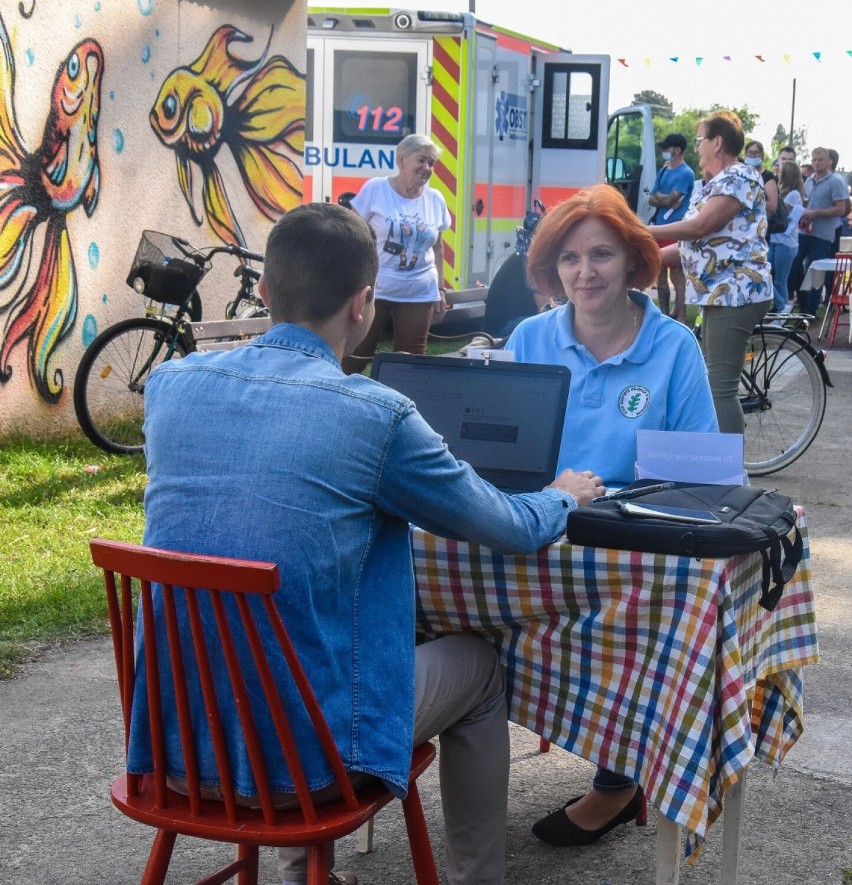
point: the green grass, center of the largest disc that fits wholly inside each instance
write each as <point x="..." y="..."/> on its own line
<point x="49" y="508"/>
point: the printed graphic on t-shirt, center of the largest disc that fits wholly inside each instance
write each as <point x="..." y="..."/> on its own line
<point x="633" y="401"/>
<point x="410" y="237"/>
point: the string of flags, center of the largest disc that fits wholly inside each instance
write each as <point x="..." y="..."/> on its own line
<point x="698" y="60"/>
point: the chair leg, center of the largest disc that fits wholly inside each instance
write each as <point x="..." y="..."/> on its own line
<point x="835" y="320"/>
<point x="159" y="858"/>
<point x="543" y="745"/>
<point x="418" y="838"/>
<point x="249" y="854"/>
<point x="318" y="864"/>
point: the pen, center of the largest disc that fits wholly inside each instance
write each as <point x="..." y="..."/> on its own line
<point x="634" y="493"/>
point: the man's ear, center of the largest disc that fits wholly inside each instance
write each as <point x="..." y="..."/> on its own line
<point x="361" y="297"/>
<point x="263" y="290"/>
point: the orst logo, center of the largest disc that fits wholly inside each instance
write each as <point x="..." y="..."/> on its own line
<point x="511" y="116"/>
<point x="633" y="401"/>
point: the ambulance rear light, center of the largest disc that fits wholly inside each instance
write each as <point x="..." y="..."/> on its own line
<point x="402" y="21"/>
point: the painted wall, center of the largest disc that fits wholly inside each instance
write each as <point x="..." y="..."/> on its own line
<point x="118" y="116"/>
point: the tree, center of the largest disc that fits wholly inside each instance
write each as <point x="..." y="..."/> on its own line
<point x="798" y="141"/>
<point x="660" y="105"/>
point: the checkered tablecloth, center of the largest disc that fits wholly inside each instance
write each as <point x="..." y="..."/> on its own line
<point x="664" y="668"/>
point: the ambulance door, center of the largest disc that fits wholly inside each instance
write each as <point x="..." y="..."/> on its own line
<point x="631" y="158"/>
<point x="569" y="149"/>
<point x="364" y="96"/>
<point x="481" y="174"/>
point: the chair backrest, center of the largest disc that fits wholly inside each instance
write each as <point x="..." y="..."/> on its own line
<point x="205" y="583"/>
<point x="841" y="286"/>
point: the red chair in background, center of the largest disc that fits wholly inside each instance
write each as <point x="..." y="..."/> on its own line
<point x="839" y="299"/>
<point x="150" y="800"/>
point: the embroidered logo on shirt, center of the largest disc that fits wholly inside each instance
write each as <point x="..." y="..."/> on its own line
<point x="633" y="401"/>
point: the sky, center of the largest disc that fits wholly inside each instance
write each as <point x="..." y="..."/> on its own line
<point x="649" y="33"/>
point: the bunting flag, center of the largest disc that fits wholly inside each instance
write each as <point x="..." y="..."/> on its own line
<point x="648" y="61"/>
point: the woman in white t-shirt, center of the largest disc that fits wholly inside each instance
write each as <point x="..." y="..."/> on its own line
<point x="408" y="217"/>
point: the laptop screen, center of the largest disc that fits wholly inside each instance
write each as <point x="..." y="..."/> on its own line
<point x="503" y="418"/>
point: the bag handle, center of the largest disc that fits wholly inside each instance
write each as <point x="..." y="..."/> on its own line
<point x="774" y="570"/>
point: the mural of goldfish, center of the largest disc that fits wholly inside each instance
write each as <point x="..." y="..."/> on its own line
<point x="256" y="108"/>
<point x="44" y="186"/>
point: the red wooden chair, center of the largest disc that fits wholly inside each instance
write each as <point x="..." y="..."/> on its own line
<point x="841" y="289"/>
<point x="150" y="800"/>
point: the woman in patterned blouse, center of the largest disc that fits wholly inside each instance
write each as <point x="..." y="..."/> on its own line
<point x="723" y="249"/>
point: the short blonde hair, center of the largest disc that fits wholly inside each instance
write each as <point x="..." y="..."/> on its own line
<point x="411" y="144"/>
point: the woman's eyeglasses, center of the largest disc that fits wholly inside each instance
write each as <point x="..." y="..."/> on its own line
<point x="698" y="141"/>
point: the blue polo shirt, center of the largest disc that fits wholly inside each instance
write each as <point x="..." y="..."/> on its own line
<point x="680" y="179"/>
<point x="658" y="383"/>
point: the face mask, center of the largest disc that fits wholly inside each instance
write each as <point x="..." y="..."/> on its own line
<point x="753" y="161"/>
<point x="667" y="155"/>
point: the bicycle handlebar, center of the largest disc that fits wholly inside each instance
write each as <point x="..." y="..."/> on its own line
<point x="202" y="256"/>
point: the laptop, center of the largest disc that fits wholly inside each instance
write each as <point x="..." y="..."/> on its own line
<point x="503" y="418"/>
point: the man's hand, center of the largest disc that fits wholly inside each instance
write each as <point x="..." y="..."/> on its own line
<point x="582" y="486"/>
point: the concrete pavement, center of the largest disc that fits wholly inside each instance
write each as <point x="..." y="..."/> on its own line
<point x="61" y="740"/>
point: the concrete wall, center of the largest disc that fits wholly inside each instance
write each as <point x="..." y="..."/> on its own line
<point x="94" y="145"/>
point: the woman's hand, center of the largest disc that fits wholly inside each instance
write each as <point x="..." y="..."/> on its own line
<point x="441" y="304"/>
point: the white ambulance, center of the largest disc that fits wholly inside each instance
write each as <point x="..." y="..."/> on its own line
<point x="517" y="120"/>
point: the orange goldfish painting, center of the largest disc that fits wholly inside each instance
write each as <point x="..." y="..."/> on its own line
<point x="43" y="187"/>
<point x="256" y="108"/>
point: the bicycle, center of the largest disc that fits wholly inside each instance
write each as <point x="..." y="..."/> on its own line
<point x="110" y="383"/>
<point x="783" y="393"/>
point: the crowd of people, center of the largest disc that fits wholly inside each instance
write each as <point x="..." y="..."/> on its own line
<point x="334" y="467"/>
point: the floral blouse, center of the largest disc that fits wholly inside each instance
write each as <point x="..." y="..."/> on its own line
<point x="730" y="267"/>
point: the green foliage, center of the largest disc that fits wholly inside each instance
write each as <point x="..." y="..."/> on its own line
<point x="50" y="506"/>
<point x="799" y="141"/>
<point x="686" y="123"/>
<point x="660" y="105"/>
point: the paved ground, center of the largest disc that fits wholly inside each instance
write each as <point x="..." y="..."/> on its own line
<point x="60" y="745"/>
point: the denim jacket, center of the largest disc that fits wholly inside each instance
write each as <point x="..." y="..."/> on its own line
<point x="270" y="452"/>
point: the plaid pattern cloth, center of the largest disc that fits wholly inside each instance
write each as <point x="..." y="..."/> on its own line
<point x="663" y="668"/>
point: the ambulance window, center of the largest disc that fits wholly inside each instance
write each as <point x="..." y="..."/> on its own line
<point x="571" y="106"/>
<point x="375" y="96"/>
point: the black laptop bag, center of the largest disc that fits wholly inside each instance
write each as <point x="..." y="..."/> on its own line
<point x="751" y="520"/>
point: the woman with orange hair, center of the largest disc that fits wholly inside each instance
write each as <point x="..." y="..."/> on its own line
<point x="631" y="368"/>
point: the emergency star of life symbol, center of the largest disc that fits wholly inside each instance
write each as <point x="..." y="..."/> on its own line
<point x="633" y="401"/>
<point x="501" y="123"/>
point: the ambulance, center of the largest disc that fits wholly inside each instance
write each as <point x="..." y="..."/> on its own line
<point x="517" y="120"/>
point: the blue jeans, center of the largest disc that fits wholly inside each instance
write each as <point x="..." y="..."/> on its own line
<point x="811" y="249"/>
<point x="607" y="781"/>
<point x="781" y="258"/>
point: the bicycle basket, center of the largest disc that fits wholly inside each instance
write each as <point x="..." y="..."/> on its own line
<point x="161" y="272"/>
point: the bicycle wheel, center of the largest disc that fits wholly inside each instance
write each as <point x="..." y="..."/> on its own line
<point x="783" y="397"/>
<point x="110" y="381"/>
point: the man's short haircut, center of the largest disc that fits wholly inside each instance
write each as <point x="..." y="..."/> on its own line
<point x="608" y="205"/>
<point x="728" y="126"/>
<point x="788" y="148"/>
<point x="834" y="157"/>
<point x="317" y="256"/>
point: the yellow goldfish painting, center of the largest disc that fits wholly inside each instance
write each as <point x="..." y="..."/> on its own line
<point x="256" y="108"/>
<point x="43" y="187"/>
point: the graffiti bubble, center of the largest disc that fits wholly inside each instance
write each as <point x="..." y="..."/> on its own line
<point x="98" y="6"/>
<point x="78" y="22"/>
<point x="146" y="7"/>
<point x="90" y="330"/>
<point x="104" y="298"/>
<point x="118" y="140"/>
<point x="146" y="55"/>
<point x="30" y="56"/>
<point x="94" y="255"/>
<point x="112" y="95"/>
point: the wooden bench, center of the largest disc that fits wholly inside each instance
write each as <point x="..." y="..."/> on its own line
<point x="208" y="335"/>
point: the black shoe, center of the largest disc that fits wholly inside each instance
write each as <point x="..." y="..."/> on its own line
<point x="557" y="829"/>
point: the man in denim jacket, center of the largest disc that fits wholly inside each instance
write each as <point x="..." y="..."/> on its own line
<point x="270" y="452"/>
